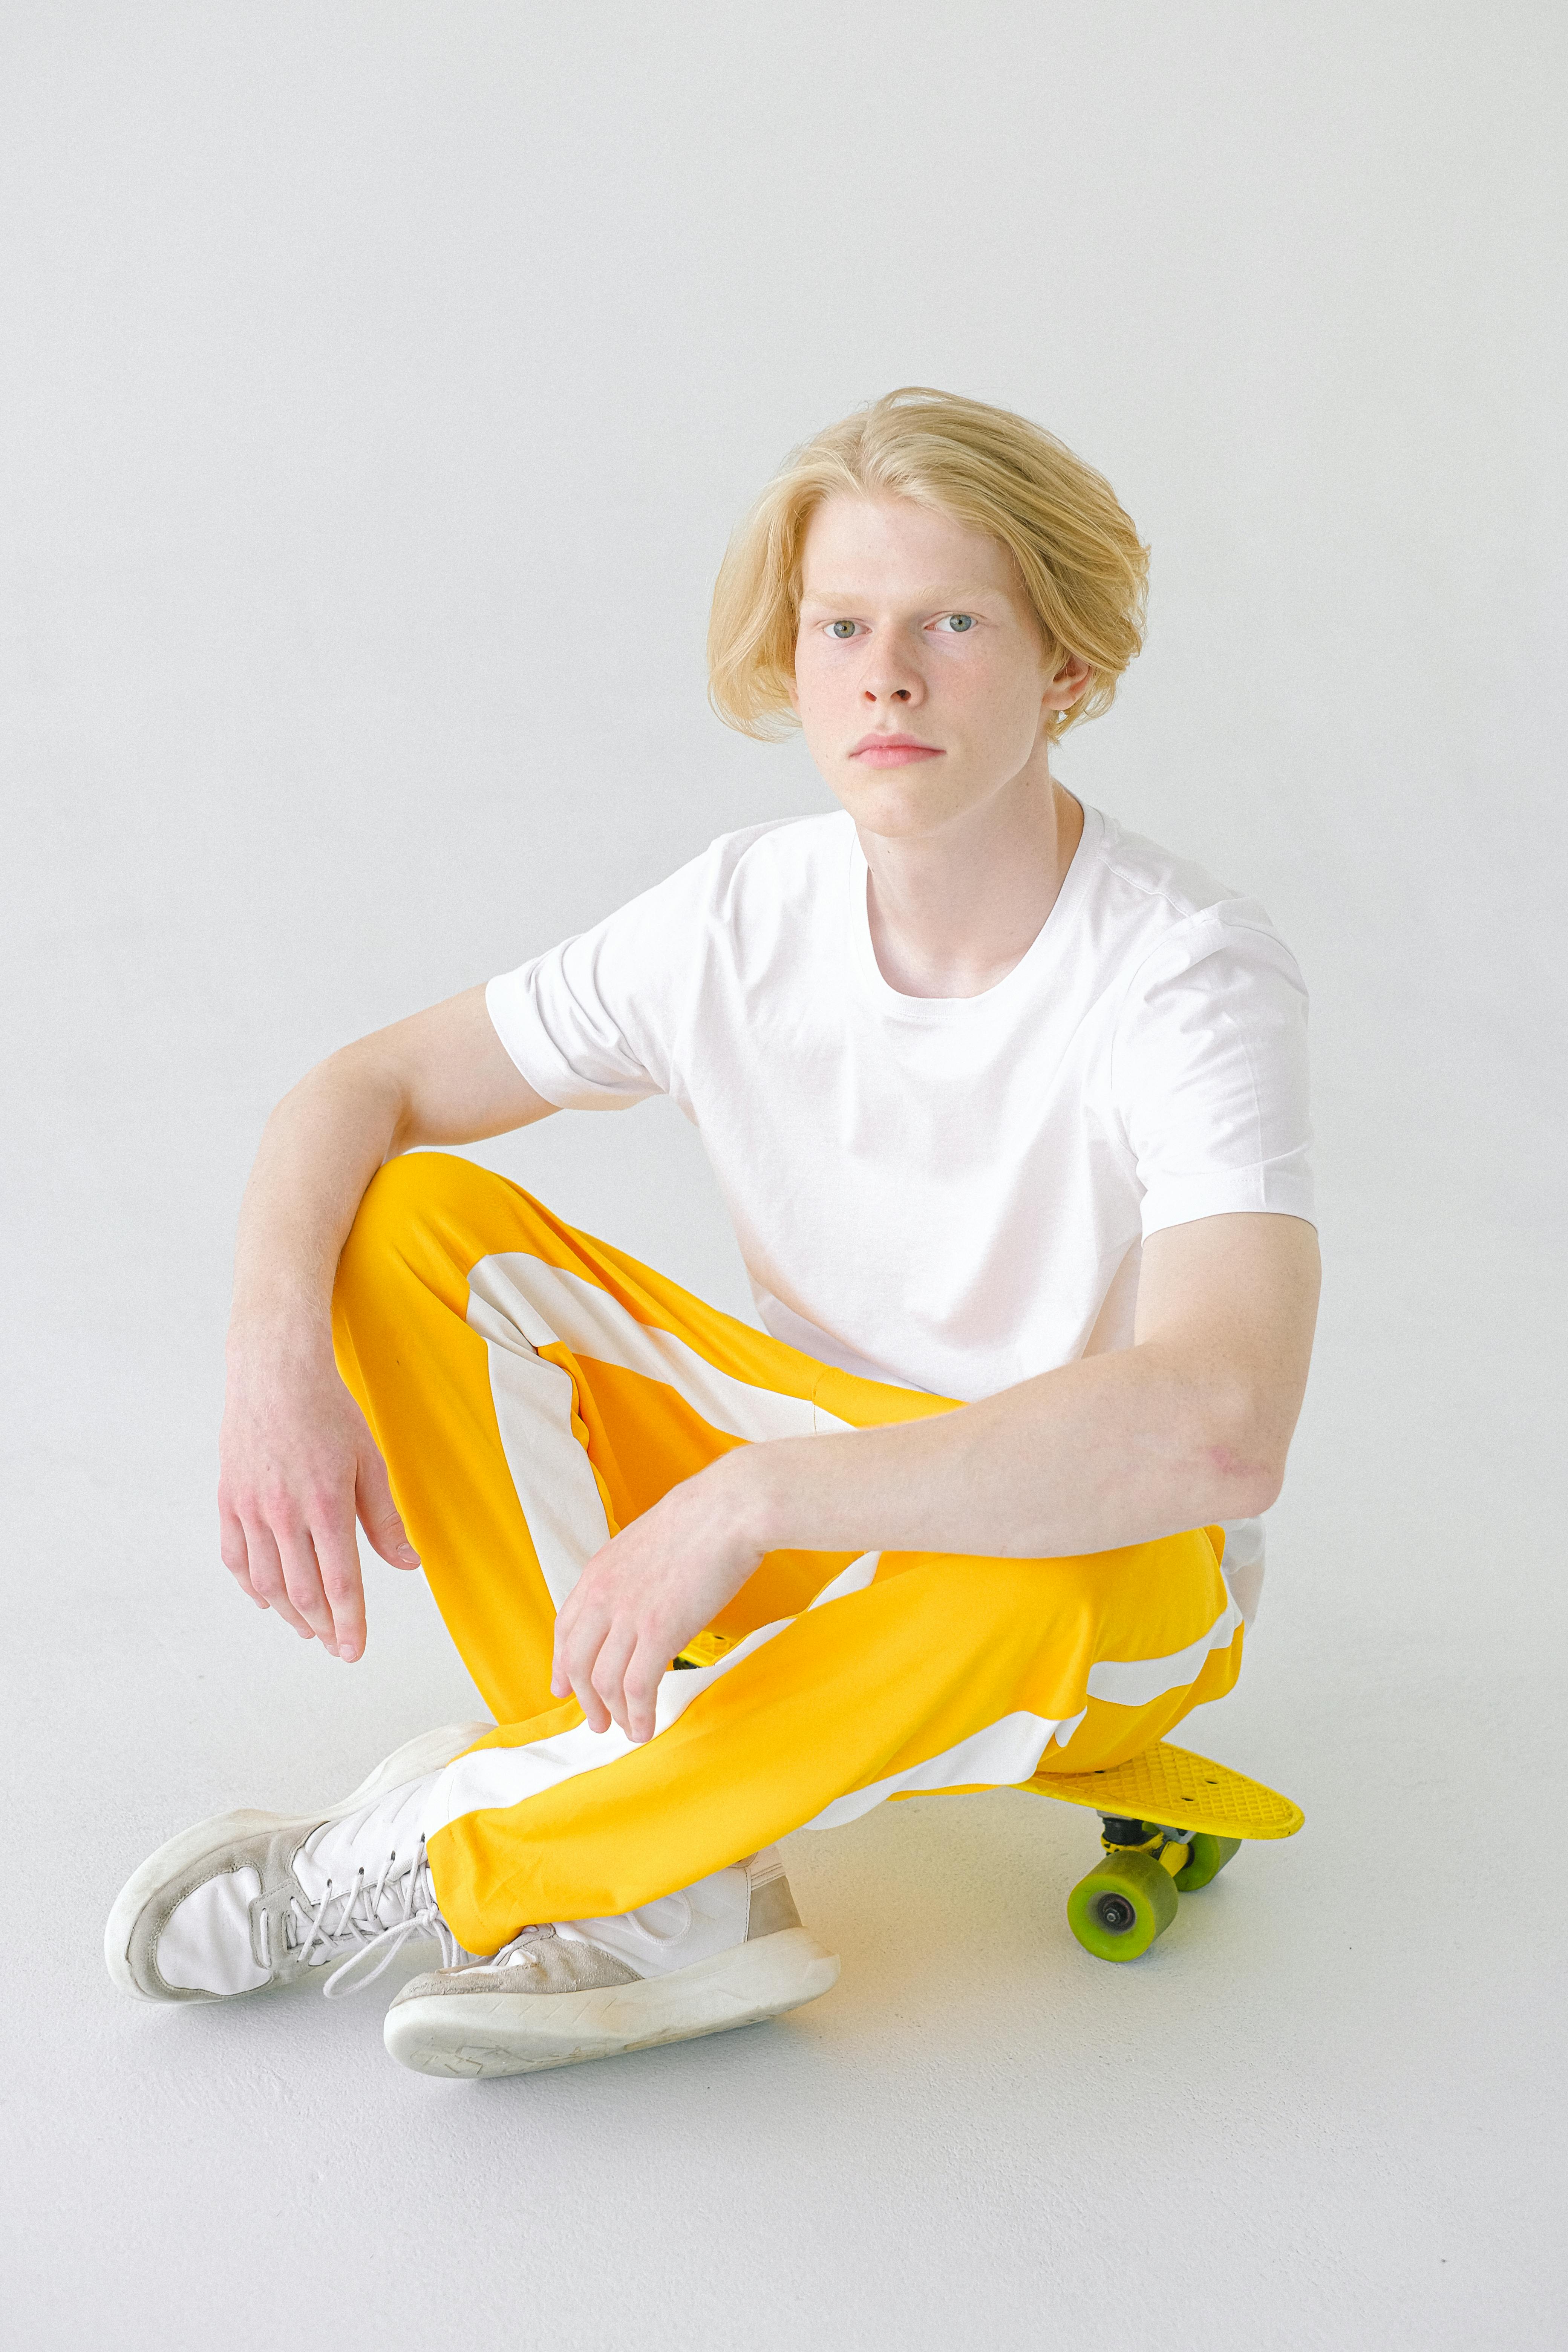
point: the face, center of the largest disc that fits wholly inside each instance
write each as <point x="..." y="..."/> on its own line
<point x="921" y="676"/>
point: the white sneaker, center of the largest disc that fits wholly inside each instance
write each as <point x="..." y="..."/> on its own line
<point x="726" y="1951"/>
<point x="248" y="1900"/>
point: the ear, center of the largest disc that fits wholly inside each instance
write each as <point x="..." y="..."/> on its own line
<point x="1068" y="683"/>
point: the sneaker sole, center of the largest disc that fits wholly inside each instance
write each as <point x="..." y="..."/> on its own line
<point x="426" y="1753"/>
<point x="470" y="2036"/>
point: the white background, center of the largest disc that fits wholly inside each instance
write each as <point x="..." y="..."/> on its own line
<point x="378" y="385"/>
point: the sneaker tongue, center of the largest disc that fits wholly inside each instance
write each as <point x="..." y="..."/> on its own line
<point x="363" y="1841"/>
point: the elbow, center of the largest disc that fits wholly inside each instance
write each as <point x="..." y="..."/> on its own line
<point x="1242" y="1458"/>
<point x="1244" y="1490"/>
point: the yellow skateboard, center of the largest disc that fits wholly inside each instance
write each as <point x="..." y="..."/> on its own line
<point x="1169" y="1822"/>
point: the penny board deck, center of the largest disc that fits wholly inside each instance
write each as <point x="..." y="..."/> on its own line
<point x="1179" y="1790"/>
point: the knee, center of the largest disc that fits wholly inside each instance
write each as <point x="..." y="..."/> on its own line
<point x="408" y="1191"/>
<point x="410" y="1204"/>
<point x="429" y="1217"/>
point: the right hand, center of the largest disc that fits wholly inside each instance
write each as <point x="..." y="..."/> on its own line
<point x="298" y="1464"/>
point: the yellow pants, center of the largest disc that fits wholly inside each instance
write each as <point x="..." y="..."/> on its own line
<point x="532" y="1390"/>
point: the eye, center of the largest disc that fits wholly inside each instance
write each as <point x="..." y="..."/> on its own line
<point x="842" y="630"/>
<point x="958" y="624"/>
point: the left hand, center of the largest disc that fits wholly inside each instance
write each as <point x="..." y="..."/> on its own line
<point x="649" y="1590"/>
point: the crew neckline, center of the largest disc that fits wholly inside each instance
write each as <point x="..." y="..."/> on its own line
<point x="932" y="1011"/>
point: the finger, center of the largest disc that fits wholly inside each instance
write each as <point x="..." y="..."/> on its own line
<point x="608" y="1677"/>
<point x="566" y="1626"/>
<point x="233" y="1553"/>
<point x="302" y="1575"/>
<point x="595" y="1714"/>
<point x="337" y="1556"/>
<point x="582" y="1653"/>
<point x="379" y="1515"/>
<point x="644" y="1672"/>
<point x="580" y="1626"/>
<point x="266" y="1575"/>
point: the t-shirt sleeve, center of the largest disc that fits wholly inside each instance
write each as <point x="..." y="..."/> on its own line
<point x="1209" y="1071"/>
<point x="593" y="1023"/>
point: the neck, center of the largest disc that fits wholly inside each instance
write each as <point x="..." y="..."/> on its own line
<point x="952" y="911"/>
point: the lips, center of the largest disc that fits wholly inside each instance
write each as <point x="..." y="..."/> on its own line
<point x="893" y="750"/>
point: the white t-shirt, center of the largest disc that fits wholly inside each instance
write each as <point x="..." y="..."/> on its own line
<point x="951" y="1192"/>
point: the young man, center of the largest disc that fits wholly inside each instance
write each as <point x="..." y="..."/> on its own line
<point x="1009" y="1109"/>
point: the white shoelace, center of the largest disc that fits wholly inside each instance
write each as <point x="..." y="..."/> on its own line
<point x="520" y="1949"/>
<point x="362" y="1922"/>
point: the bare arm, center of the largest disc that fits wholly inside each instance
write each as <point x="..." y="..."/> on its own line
<point x="1189" y="1425"/>
<point x="297" y="1459"/>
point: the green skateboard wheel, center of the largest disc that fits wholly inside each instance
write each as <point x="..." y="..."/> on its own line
<point x="1118" y="1909"/>
<point x="1209" y="1855"/>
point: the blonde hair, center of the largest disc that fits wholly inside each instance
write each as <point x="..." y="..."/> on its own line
<point x="1084" y="568"/>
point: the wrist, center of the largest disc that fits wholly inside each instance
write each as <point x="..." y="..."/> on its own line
<point x="761" y="1480"/>
<point x="297" y="1332"/>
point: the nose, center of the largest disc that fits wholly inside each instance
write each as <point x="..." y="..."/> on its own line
<point x="891" y="673"/>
